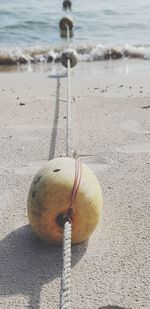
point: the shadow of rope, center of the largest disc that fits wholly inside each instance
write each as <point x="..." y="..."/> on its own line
<point x="112" y="307"/>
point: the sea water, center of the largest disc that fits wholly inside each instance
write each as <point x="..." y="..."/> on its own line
<point x="103" y="29"/>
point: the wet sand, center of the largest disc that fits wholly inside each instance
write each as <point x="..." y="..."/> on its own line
<point x="111" y="133"/>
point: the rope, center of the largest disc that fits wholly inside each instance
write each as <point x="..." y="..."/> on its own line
<point x="68" y="122"/>
<point x="68" y="35"/>
<point x="65" y="301"/>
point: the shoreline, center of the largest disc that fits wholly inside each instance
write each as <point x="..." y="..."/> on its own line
<point x="111" y="132"/>
<point x="131" y="76"/>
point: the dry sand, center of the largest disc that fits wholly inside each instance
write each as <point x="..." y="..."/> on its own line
<point x="111" y="132"/>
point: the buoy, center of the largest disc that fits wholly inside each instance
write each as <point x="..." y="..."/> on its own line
<point x="67" y="4"/>
<point x="69" y="54"/>
<point x="64" y="22"/>
<point x="49" y="199"/>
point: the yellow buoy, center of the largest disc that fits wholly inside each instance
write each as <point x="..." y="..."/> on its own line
<point x="49" y="199"/>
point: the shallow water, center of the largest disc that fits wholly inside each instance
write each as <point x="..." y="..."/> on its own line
<point x="24" y="23"/>
<point x="29" y="30"/>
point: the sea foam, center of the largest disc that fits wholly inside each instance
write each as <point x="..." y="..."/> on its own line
<point x="86" y="52"/>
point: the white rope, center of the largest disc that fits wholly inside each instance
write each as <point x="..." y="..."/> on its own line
<point x="68" y="35"/>
<point x="65" y="302"/>
<point x="68" y="121"/>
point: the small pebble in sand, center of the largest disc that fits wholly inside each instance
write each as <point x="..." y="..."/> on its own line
<point x="22" y="104"/>
<point x="64" y="117"/>
<point x="17" y="98"/>
<point x="130" y="87"/>
<point x="145" y="107"/>
<point x="120" y="86"/>
<point x="141" y="91"/>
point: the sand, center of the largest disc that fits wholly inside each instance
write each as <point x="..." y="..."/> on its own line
<point x="111" y="133"/>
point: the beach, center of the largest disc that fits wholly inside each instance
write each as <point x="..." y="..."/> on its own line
<point x="111" y="134"/>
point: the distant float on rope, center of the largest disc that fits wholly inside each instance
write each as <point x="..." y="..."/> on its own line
<point x="64" y="22"/>
<point x="69" y="54"/>
<point x="67" y="4"/>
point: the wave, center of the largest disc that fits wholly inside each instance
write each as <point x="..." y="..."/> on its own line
<point x="100" y="52"/>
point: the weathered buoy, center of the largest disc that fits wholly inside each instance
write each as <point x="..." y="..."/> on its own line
<point x="67" y="4"/>
<point x="69" y="54"/>
<point x="64" y="22"/>
<point x="49" y="199"/>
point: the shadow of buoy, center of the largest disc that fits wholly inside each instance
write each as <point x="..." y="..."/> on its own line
<point x="26" y="264"/>
<point x="56" y="76"/>
<point x="111" y="307"/>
